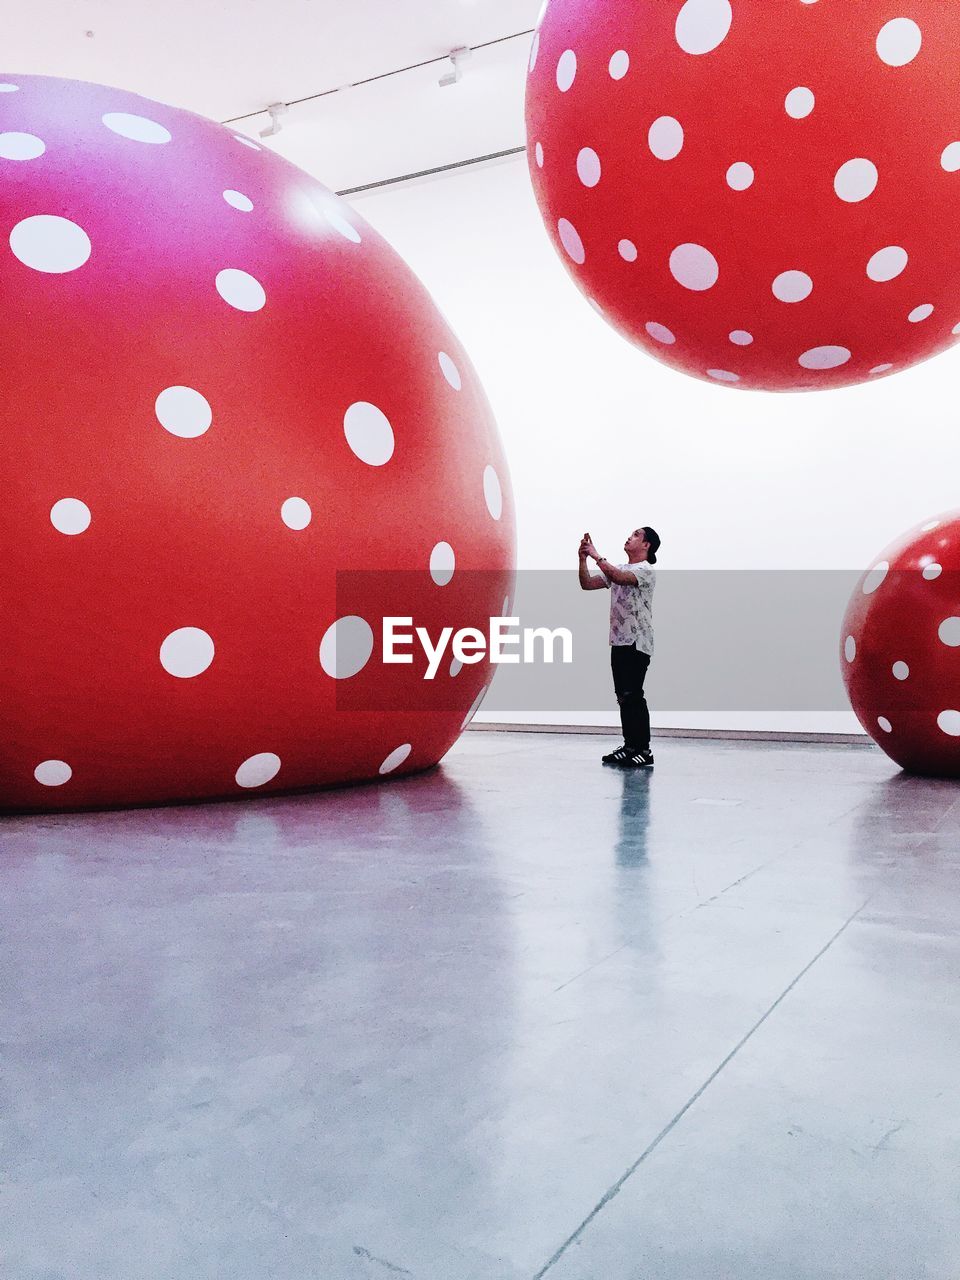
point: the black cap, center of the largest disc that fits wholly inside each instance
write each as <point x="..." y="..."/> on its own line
<point x="654" y="539"/>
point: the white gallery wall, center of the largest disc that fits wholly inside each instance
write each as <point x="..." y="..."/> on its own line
<point x="602" y="437"/>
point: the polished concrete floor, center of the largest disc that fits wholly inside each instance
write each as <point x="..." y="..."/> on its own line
<point x="518" y="1017"/>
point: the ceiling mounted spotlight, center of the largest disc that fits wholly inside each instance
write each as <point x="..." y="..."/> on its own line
<point x="457" y="58"/>
<point x="275" y="111"/>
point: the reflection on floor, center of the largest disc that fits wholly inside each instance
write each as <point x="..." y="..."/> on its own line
<point x="520" y="1016"/>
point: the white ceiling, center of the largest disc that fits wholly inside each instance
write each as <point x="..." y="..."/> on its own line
<point x="407" y="123"/>
<point x="225" y="58"/>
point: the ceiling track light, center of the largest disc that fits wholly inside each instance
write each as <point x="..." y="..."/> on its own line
<point x="457" y="59"/>
<point x="275" y="111"/>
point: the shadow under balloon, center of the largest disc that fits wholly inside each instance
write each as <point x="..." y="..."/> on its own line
<point x="903" y="813"/>
<point x="904" y="851"/>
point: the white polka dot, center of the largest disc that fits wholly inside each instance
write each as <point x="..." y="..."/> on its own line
<point x="475" y="707"/>
<point x="856" y="180"/>
<point x="588" y="167"/>
<point x="369" y="433"/>
<point x="694" y="267"/>
<point x="824" y="358"/>
<point x="396" y="758"/>
<point x="923" y="312"/>
<point x="899" y="42"/>
<point x="295" y="513"/>
<point x="949" y="633"/>
<point x="884" y="724"/>
<point x="875" y="578"/>
<point x="442" y="563"/>
<point x="886" y="264"/>
<point x="928" y="528"/>
<point x="850" y="648"/>
<point x="881" y="368"/>
<point x="932" y="572"/>
<point x="136" y="128"/>
<point x="799" y="103"/>
<point x="450" y="371"/>
<point x="740" y="176"/>
<point x="247" y="142"/>
<point x="238" y="200"/>
<point x="241" y="290"/>
<point x="456" y="666"/>
<point x="660" y="333"/>
<point x="665" y="138"/>
<point x="627" y="250"/>
<point x="792" y="286"/>
<point x="702" y="25"/>
<point x="53" y="773"/>
<point x="183" y="412"/>
<point x="950" y="158"/>
<point x="20" y="146"/>
<point x="901" y="671"/>
<point x="492" y="492"/>
<point x="258" y="770"/>
<point x="538" y="154"/>
<point x="955" y="329"/>
<point x="566" y="70"/>
<point x="50" y="244"/>
<point x="534" y="50"/>
<point x="571" y="241"/>
<point x="949" y="723"/>
<point x="186" y="653"/>
<point x="9" y="88"/>
<point x="740" y="338"/>
<point x="340" y="224"/>
<point x="346" y="647"/>
<point x="722" y="375"/>
<point x="70" y="516"/>
<point x="619" y="64"/>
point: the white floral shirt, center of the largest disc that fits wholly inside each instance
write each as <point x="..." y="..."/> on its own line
<point x="631" y="608"/>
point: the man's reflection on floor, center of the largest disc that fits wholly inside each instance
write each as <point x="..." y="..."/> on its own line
<point x="634" y="817"/>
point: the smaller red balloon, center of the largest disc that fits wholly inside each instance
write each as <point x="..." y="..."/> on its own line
<point x="900" y="649"/>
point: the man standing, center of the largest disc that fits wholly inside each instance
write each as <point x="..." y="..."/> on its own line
<point x="631" y="635"/>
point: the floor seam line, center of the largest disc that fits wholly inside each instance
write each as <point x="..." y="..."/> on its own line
<point x="694" y="1098"/>
<point x="940" y="823"/>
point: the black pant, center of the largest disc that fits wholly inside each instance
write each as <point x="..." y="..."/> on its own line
<point x="629" y="672"/>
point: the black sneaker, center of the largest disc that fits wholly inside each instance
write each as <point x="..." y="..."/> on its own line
<point x="637" y="760"/>
<point x="618" y="756"/>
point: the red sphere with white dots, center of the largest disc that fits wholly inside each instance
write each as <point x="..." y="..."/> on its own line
<point x="900" y="649"/>
<point x="761" y="193"/>
<point x="236" y="433"/>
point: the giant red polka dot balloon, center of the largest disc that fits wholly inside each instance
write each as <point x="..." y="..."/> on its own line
<point x="236" y="432"/>
<point x="761" y="193"/>
<point x="900" y="648"/>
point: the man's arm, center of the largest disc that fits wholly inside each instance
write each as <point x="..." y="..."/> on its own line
<point x="589" y="581"/>
<point x="622" y="577"/>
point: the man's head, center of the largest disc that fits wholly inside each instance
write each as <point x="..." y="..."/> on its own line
<point x="643" y="544"/>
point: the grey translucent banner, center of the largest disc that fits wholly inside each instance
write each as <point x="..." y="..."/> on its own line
<point x="725" y="640"/>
